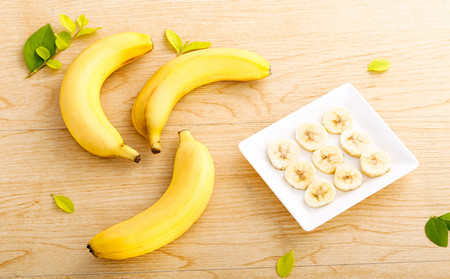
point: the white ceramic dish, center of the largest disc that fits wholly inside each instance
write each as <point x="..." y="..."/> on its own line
<point x="364" y="118"/>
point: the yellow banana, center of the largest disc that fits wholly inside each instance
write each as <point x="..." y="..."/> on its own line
<point x="80" y="93"/>
<point x="184" y="73"/>
<point x="173" y="214"/>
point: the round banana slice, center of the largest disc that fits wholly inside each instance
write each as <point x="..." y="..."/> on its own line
<point x="374" y="162"/>
<point x="300" y="174"/>
<point x="282" y="153"/>
<point x="337" y="120"/>
<point x="327" y="158"/>
<point x="347" y="178"/>
<point x="353" y="142"/>
<point x="311" y="136"/>
<point x="319" y="193"/>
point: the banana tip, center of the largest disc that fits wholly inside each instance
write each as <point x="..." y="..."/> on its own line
<point x="180" y="131"/>
<point x="90" y="249"/>
<point x="136" y="160"/>
<point x="155" y="151"/>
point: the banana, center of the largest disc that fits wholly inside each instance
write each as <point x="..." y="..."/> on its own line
<point x="319" y="193"/>
<point x="300" y="174"/>
<point x="184" y="73"/>
<point x="347" y="178"/>
<point x="374" y="162"/>
<point x="327" y="158"/>
<point x="353" y="142"/>
<point x="172" y="215"/>
<point x="80" y="93"/>
<point x="337" y="120"/>
<point x="311" y="136"/>
<point x="282" y="153"/>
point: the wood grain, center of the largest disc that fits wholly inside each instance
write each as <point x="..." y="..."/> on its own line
<point x="313" y="47"/>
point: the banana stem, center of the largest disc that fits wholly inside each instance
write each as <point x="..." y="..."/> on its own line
<point x="155" y="143"/>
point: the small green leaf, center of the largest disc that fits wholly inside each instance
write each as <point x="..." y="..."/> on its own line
<point x="285" y="264"/>
<point x="174" y="40"/>
<point x="87" y="31"/>
<point x="63" y="40"/>
<point x="54" y="64"/>
<point x="43" y="52"/>
<point x="437" y="231"/>
<point x="43" y="37"/>
<point x="195" y="46"/>
<point x="82" y="21"/>
<point x="446" y="219"/>
<point x="379" y="65"/>
<point x="64" y="203"/>
<point x="67" y="23"/>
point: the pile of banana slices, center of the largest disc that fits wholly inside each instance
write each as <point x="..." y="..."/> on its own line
<point x="283" y="155"/>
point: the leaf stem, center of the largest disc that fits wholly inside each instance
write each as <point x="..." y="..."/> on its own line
<point x="56" y="52"/>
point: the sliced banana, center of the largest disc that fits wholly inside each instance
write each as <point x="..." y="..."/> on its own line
<point x="327" y="158"/>
<point x="300" y="174"/>
<point x="319" y="193"/>
<point x="311" y="136"/>
<point x="337" y="120"/>
<point x="353" y="142"/>
<point x="282" y="153"/>
<point x="347" y="178"/>
<point x="374" y="162"/>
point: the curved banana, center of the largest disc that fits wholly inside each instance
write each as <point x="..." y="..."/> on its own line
<point x="172" y="215"/>
<point x="80" y="93"/>
<point x="184" y="73"/>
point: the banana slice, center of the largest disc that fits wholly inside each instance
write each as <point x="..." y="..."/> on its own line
<point x="319" y="193"/>
<point x="353" y="142"/>
<point x="282" y="153"/>
<point x="300" y="174"/>
<point x="311" y="136"/>
<point x="337" y="120"/>
<point x="347" y="178"/>
<point x="327" y="158"/>
<point x="374" y="162"/>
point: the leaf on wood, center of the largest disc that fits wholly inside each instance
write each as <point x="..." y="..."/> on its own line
<point x="285" y="264"/>
<point x="43" y="37"/>
<point x="196" y="46"/>
<point x="67" y="23"/>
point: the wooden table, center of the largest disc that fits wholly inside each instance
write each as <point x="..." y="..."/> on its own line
<point x="313" y="46"/>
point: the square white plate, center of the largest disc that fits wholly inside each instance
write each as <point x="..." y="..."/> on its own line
<point x="364" y="119"/>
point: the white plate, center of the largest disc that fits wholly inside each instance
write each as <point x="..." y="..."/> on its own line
<point x="364" y="118"/>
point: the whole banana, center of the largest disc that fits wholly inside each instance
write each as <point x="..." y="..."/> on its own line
<point x="80" y="93"/>
<point x="184" y="73"/>
<point x="173" y="214"/>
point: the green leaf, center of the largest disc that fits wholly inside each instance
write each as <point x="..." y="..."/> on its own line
<point x="67" y="23"/>
<point x="43" y="52"/>
<point x="174" y="40"/>
<point x="437" y="231"/>
<point x="195" y="46"/>
<point x="82" y="21"/>
<point x="285" y="264"/>
<point x="446" y="219"/>
<point x="64" y="203"/>
<point x="379" y="65"/>
<point x="63" y="40"/>
<point x="87" y="31"/>
<point x="54" y="64"/>
<point x="43" y="37"/>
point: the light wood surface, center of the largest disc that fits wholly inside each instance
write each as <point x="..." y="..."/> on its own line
<point x="313" y="47"/>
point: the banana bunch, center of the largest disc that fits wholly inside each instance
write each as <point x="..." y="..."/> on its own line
<point x="185" y="73"/>
<point x="193" y="174"/>
<point x="172" y="215"/>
